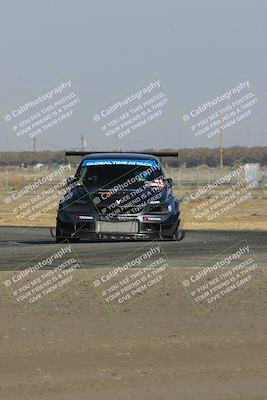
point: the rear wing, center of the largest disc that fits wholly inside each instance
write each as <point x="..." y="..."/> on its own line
<point x="151" y="153"/>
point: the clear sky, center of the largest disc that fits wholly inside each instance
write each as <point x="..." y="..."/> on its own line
<point x="109" y="50"/>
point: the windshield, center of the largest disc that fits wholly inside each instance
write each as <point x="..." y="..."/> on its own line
<point x="108" y="176"/>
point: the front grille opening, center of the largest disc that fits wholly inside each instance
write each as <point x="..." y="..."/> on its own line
<point x="88" y="226"/>
<point x="156" y="208"/>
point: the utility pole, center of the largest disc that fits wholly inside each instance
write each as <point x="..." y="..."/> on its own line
<point x="34" y="150"/>
<point x="221" y="142"/>
<point x="34" y="144"/>
<point x="83" y="143"/>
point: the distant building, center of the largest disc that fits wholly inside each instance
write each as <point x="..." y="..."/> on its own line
<point x="38" y="166"/>
<point x="252" y="172"/>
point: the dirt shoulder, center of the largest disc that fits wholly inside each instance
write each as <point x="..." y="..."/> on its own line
<point x="158" y="348"/>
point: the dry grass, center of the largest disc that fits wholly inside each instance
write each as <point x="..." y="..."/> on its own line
<point x="251" y="214"/>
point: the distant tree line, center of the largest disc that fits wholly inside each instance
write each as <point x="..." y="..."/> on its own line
<point x="187" y="157"/>
<point x="211" y="157"/>
<point x="30" y="158"/>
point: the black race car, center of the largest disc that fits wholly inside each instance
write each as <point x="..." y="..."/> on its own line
<point x="118" y="196"/>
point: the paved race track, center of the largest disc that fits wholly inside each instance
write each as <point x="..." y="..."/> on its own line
<point x="159" y="347"/>
<point x="198" y="247"/>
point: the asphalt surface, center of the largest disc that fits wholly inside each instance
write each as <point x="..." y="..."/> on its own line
<point x="198" y="247"/>
<point x="158" y="347"/>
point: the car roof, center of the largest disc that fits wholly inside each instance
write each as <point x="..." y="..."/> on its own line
<point x="123" y="156"/>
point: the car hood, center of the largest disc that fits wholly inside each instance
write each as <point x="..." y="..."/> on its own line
<point x="128" y="200"/>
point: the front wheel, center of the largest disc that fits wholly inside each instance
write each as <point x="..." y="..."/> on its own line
<point x="61" y="236"/>
<point x="59" y="239"/>
<point x="171" y="232"/>
<point x="179" y="235"/>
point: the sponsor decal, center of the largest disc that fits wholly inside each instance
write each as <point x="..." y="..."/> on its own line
<point x="146" y="218"/>
<point x="85" y="217"/>
<point x="144" y="163"/>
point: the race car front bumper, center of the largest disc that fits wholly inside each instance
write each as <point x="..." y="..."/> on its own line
<point x="96" y="226"/>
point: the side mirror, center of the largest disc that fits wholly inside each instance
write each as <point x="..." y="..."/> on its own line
<point x="70" y="180"/>
<point x="169" y="181"/>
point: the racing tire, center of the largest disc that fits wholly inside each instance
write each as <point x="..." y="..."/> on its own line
<point x="61" y="239"/>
